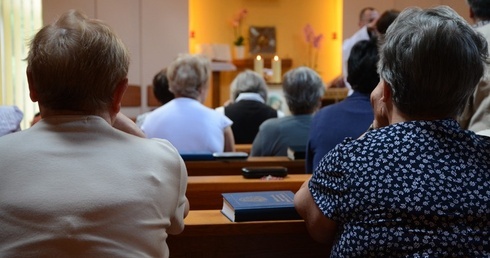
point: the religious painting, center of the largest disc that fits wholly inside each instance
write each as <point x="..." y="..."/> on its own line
<point x="262" y="40"/>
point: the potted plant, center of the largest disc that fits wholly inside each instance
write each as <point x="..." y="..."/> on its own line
<point x="239" y="47"/>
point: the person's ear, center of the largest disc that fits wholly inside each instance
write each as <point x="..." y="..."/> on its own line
<point x="387" y="94"/>
<point x="32" y="88"/>
<point x="119" y="91"/>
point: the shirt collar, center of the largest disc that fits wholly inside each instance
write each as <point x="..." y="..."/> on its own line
<point x="250" y="96"/>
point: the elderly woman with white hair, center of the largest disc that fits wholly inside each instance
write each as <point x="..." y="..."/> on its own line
<point x="303" y="90"/>
<point x="184" y="121"/>
<point x="247" y="110"/>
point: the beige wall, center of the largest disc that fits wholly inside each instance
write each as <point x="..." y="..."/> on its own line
<point x="353" y="7"/>
<point x="155" y="31"/>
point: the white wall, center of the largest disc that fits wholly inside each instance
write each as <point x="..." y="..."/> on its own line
<point x="155" y="31"/>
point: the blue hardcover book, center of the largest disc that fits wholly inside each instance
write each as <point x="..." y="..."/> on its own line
<point x="196" y="156"/>
<point x="254" y="206"/>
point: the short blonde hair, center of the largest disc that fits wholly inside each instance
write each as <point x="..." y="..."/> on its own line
<point x="76" y="63"/>
<point x="188" y="74"/>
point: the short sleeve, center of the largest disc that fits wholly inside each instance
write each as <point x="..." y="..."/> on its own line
<point x="225" y="121"/>
<point x="330" y="184"/>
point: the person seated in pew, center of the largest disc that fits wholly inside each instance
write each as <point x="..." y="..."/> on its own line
<point x="247" y="108"/>
<point x="352" y="116"/>
<point x="476" y="115"/>
<point x="303" y="90"/>
<point x="416" y="184"/>
<point x="184" y="121"/>
<point x="160" y="91"/>
<point x="73" y="185"/>
<point x="10" y="118"/>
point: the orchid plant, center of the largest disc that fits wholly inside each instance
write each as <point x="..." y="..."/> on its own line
<point x="237" y="27"/>
<point x="313" y="40"/>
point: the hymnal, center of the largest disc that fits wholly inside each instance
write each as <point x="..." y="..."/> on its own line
<point x="255" y="206"/>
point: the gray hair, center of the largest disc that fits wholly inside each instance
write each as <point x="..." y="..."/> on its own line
<point x="432" y="60"/>
<point x="303" y="89"/>
<point x="76" y="63"/>
<point x="248" y="81"/>
<point x="188" y="75"/>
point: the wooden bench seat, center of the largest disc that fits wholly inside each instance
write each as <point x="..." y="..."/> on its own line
<point x="234" y="167"/>
<point x="208" y="233"/>
<point x="204" y="192"/>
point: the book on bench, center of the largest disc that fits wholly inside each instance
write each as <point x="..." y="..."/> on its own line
<point x="256" y="206"/>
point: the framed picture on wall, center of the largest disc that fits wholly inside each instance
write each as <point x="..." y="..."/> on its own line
<point x="262" y="40"/>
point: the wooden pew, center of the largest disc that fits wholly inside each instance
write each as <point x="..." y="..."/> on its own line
<point x="132" y="99"/>
<point x="208" y="233"/>
<point x="334" y="95"/>
<point x="243" y="147"/>
<point x="152" y="101"/>
<point x="204" y="192"/>
<point x="234" y="167"/>
<point x="132" y="96"/>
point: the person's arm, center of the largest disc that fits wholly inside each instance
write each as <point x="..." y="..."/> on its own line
<point x="127" y="125"/>
<point x="229" y="140"/>
<point x="321" y="228"/>
<point x="177" y="220"/>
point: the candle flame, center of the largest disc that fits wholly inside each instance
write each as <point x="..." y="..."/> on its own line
<point x="259" y="57"/>
<point x="276" y="58"/>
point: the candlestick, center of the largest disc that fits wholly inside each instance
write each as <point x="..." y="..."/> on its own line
<point x="259" y="65"/>
<point x="276" y="70"/>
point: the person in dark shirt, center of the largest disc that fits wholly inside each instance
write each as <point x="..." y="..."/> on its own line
<point x="248" y="109"/>
<point x="350" y="117"/>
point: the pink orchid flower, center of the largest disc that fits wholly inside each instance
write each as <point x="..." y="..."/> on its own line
<point x="316" y="40"/>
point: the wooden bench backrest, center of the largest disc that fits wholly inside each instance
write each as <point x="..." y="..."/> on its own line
<point x="234" y="167"/>
<point x="152" y="100"/>
<point x="208" y="233"/>
<point x="243" y="148"/>
<point x="132" y="97"/>
<point x="204" y="192"/>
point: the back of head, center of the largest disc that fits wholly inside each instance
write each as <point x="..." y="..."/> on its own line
<point x="160" y="87"/>
<point x="385" y="20"/>
<point x="362" y="66"/>
<point x="188" y="75"/>
<point x="432" y="59"/>
<point x="75" y="63"/>
<point x="303" y="89"/>
<point x="248" y="81"/>
<point x="480" y="9"/>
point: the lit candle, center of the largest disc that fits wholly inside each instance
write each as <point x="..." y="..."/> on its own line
<point x="259" y="65"/>
<point x="276" y="70"/>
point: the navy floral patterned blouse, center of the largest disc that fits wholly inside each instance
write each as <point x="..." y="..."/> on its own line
<point x="412" y="189"/>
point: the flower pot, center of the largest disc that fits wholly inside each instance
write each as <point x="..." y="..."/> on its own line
<point x="239" y="52"/>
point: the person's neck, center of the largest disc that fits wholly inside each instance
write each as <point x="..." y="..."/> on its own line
<point x="399" y="117"/>
<point x="46" y="113"/>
